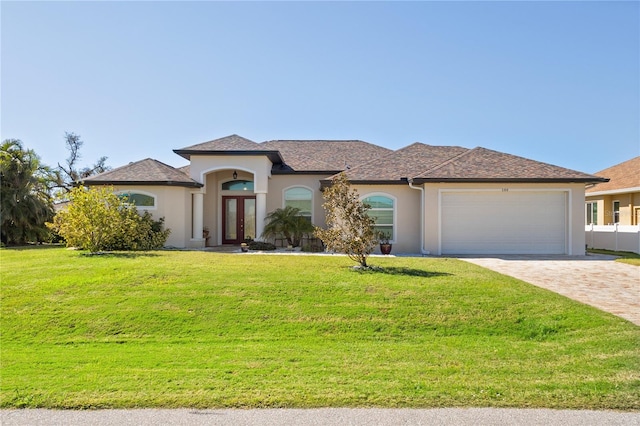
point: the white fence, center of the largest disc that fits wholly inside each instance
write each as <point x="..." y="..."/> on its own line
<point x="613" y="237"/>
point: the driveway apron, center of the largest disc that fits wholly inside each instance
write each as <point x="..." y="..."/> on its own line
<point x="596" y="280"/>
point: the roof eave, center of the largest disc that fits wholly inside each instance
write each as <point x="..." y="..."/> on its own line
<point x="274" y="156"/>
<point x="509" y="180"/>
<point x="275" y="171"/>
<point x="144" y="183"/>
<point x="613" y="191"/>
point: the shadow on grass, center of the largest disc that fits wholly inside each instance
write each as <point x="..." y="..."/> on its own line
<point x="120" y="254"/>
<point x="33" y="247"/>
<point x="392" y="270"/>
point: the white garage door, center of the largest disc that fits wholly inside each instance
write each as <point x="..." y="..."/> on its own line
<point x="513" y="222"/>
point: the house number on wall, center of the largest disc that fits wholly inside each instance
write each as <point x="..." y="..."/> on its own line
<point x="505" y="189"/>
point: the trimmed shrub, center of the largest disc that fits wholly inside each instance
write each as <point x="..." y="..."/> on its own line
<point x="261" y="245"/>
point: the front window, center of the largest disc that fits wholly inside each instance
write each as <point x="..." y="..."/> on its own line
<point x="238" y="185"/>
<point x="592" y="213"/>
<point x="301" y="198"/>
<point x="138" y="199"/>
<point x="616" y="212"/>
<point x="382" y="210"/>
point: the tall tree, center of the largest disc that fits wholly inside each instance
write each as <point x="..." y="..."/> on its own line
<point x="350" y="229"/>
<point x="69" y="174"/>
<point x="25" y="201"/>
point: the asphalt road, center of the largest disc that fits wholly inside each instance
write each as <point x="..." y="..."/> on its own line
<point x="321" y="416"/>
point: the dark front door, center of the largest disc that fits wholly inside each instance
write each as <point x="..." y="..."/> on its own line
<point x="238" y="219"/>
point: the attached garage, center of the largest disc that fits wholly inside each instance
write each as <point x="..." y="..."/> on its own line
<point x="503" y="222"/>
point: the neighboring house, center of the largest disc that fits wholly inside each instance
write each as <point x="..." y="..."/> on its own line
<point x="616" y="201"/>
<point x="429" y="199"/>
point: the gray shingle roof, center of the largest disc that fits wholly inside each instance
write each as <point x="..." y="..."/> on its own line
<point x="143" y="172"/>
<point x="324" y="155"/>
<point x="622" y="176"/>
<point x="362" y="161"/>
<point x="227" y="143"/>
<point x="481" y="164"/>
<point x="404" y="163"/>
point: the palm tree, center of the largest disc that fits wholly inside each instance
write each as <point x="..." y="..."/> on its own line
<point x="289" y="223"/>
<point x="25" y="203"/>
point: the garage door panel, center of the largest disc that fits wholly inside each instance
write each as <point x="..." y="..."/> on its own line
<point x="503" y="222"/>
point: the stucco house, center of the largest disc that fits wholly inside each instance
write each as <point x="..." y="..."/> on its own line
<point x="616" y="201"/>
<point x="429" y="199"/>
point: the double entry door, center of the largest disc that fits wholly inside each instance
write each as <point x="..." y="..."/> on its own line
<point x="238" y="219"/>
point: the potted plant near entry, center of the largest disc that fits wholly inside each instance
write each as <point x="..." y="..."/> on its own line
<point x="244" y="247"/>
<point x="385" y="245"/>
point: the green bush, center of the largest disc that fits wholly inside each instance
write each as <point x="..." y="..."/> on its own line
<point x="260" y="245"/>
<point x="97" y="220"/>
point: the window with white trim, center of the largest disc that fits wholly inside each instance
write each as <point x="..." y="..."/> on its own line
<point x="382" y="210"/>
<point x="592" y="213"/>
<point x="301" y="198"/>
<point x="616" y="212"/>
<point x="139" y="199"/>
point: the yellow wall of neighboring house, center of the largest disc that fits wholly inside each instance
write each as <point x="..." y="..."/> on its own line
<point x="629" y="208"/>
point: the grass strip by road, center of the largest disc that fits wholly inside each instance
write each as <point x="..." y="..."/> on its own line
<point x="207" y="330"/>
<point x="623" y="256"/>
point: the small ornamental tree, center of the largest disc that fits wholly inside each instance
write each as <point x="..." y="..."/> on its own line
<point x="97" y="220"/>
<point x="350" y="229"/>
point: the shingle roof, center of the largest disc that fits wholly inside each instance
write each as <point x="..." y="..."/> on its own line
<point x="481" y="164"/>
<point x="325" y="155"/>
<point x="362" y="161"/>
<point x="227" y="143"/>
<point x="143" y="172"/>
<point x="404" y="163"/>
<point x="622" y="176"/>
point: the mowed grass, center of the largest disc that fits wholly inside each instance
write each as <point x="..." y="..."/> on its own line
<point x="206" y="330"/>
<point x="624" y="256"/>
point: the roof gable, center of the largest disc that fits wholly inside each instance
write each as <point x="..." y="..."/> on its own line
<point x="227" y="143"/>
<point x="143" y="172"/>
<point x="621" y="176"/>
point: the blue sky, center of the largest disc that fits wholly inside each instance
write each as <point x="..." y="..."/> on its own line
<point x="557" y="82"/>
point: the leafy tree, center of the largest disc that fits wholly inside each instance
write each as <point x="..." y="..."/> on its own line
<point x="350" y="229"/>
<point x="24" y="194"/>
<point x="97" y="220"/>
<point x="287" y="222"/>
<point x="69" y="175"/>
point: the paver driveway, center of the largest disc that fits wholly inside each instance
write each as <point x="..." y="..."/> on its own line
<point x="596" y="280"/>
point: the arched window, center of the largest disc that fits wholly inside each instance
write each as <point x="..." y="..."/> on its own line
<point x="382" y="209"/>
<point x="238" y="185"/>
<point x="301" y="198"/>
<point x="139" y="199"/>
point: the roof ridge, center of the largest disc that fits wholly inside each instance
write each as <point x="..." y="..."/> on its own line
<point x="449" y="161"/>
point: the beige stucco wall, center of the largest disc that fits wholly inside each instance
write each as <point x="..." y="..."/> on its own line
<point x="575" y="227"/>
<point x="629" y="207"/>
<point x="279" y="183"/>
<point x="174" y="204"/>
<point x="257" y="166"/>
<point x="407" y="215"/>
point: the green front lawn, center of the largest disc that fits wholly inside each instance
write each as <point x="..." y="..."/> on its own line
<point x="624" y="256"/>
<point x="195" y="329"/>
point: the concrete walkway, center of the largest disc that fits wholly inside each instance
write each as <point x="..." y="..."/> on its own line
<point x="320" y="417"/>
<point x="596" y="280"/>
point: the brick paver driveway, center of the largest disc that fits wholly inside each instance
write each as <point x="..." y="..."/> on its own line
<point x="596" y="280"/>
